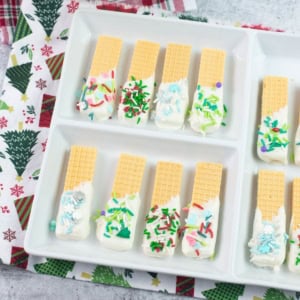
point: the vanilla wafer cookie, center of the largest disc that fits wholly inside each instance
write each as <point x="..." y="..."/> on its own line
<point x="207" y="110"/>
<point x="272" y="143"/>
<point x="73" y="218"/>
<point x="268" y="242"/>
<point x="116" y="224"/>
<point x="297" y="144"/>
<point x="137" y="92"/>
<point x="294" y="253"/>
<point x="98" y="94"/>
<point x="172" y="98"/>
<point x="201" y="225"/>
<point x="163" y="219"/>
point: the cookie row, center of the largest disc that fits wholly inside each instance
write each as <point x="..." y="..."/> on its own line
<point x="273" y="141"/>
<point x="116" y="223"/>
<point x="269" y="238"/>
<point x="98" y="97"/>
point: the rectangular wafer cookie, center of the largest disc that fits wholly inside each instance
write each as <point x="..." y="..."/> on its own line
<point x="73" y="218"/>
<point x="167" y="182"/>
<point x="207" y="182"/>
<point x="172" y="98"/>
<point x="272" y="143"/>
<point x="270" y="193"/>
<point x="201" y="224"/>
<point x="207" y="110"/>
<point x="268" y="242"/>
<point x="116" y="225"/>
<point x="163" y="219"/>
<point x="294" y="237"/>
<point x="98" y="95"/>
<point x="129" y="175"/>
<point x="144" y="60"/>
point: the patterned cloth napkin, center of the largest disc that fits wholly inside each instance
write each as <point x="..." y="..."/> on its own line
<point x="26" y="106"/>
<point x="9" y="11"/>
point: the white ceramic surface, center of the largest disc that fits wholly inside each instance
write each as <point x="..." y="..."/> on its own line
<point x="250" y="56"/>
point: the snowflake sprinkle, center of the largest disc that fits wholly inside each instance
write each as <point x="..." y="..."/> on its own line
<point x="9" y="235"/>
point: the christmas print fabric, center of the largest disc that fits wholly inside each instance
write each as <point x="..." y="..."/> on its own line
<point x="26" y="105"/>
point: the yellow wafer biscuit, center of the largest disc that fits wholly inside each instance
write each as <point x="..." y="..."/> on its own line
<point x="144" y="60"/>
<point x="81" y="166"/>
<point x="106" y="55"/>
<point x="211" y="67"/>
<point x="167" y="182"/>
<point x="296" y="204"/>
<point x="270" y="193"/>
<point x="176" y="65"/>
<point x="274" y="95"/>
<point x="207" y="182"/>
<point x="129" y="175"/>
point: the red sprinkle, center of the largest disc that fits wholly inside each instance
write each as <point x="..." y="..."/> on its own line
<point x="106" y="87"/>
<point x="208" y="230"/>
<point x="197" y="252"/>
<point x="185" y="209"/>
<point x="177" y="214"/>
<point x="197" y="205"/>
<point x="201" y="227"/>
<point x="275" y="129"/>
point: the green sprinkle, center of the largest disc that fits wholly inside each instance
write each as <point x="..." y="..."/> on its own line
<point x="115" y="200"/>
<point x="52" y="226"/>
<point x="124" y="233"/>
<point x="106" y="235"/>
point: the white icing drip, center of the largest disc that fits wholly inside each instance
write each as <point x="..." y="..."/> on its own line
<point x="172" y="101"/>
<point x="114" y="242"/>
<point x="270" y="252"/>
<point x="78" y="227"/>
<point x="198" y="119"/>
<point x="294" y="253"/>
<point x="192" y="241"/>
<point x="173" y="203"/>
<point x="279" y="154"/>
<point x="96" y="103"/>
<point x="142" y="118"/>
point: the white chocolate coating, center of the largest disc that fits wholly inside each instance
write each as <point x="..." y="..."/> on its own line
<point x="200" y="234"/>
<point x="294" y="253"/>
<point x="109" y="226"/>
<point x="268" y="242"/>
<point x="98" y="96"/>
<point x="141" y="116"/>
<point x="172" y="100"/>
<point x="207" y="111"/>
<point x="156" y="232"/>
<point x="272" y="145"/>
<point x="73" y="218"/>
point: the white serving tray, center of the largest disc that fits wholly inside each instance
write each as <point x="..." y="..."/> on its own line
<point x="250" y="56"/>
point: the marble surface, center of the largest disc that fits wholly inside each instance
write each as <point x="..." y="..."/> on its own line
<point x="17" y="284"/>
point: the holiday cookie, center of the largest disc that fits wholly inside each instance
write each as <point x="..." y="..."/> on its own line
<point x="73" y="218"/>
<point x="207" y="110"/>
<point x="98" y="95"/>
<point x="201" y="225"/>
<point x="137" y="92"/>
<point x="117" y="222"/>
<point x="294" y="254"/>
<point x="163" y="219"/>
<point x="268" y="242"/>
<point x="272" y="143"/>
<point x="172" y="98"/>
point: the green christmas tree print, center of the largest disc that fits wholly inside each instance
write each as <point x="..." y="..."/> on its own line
<point x="47" y="12"/>
<point x="19" y="76"/>
<point x="19" y="148"/>
<point x="5" y="106"/>
<point x="55" y="267"/>
<point x="106" y="275"/>
<point x="273" y="294"/>
<point x="22" y="29"/>
<point x="224" y="291"/>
